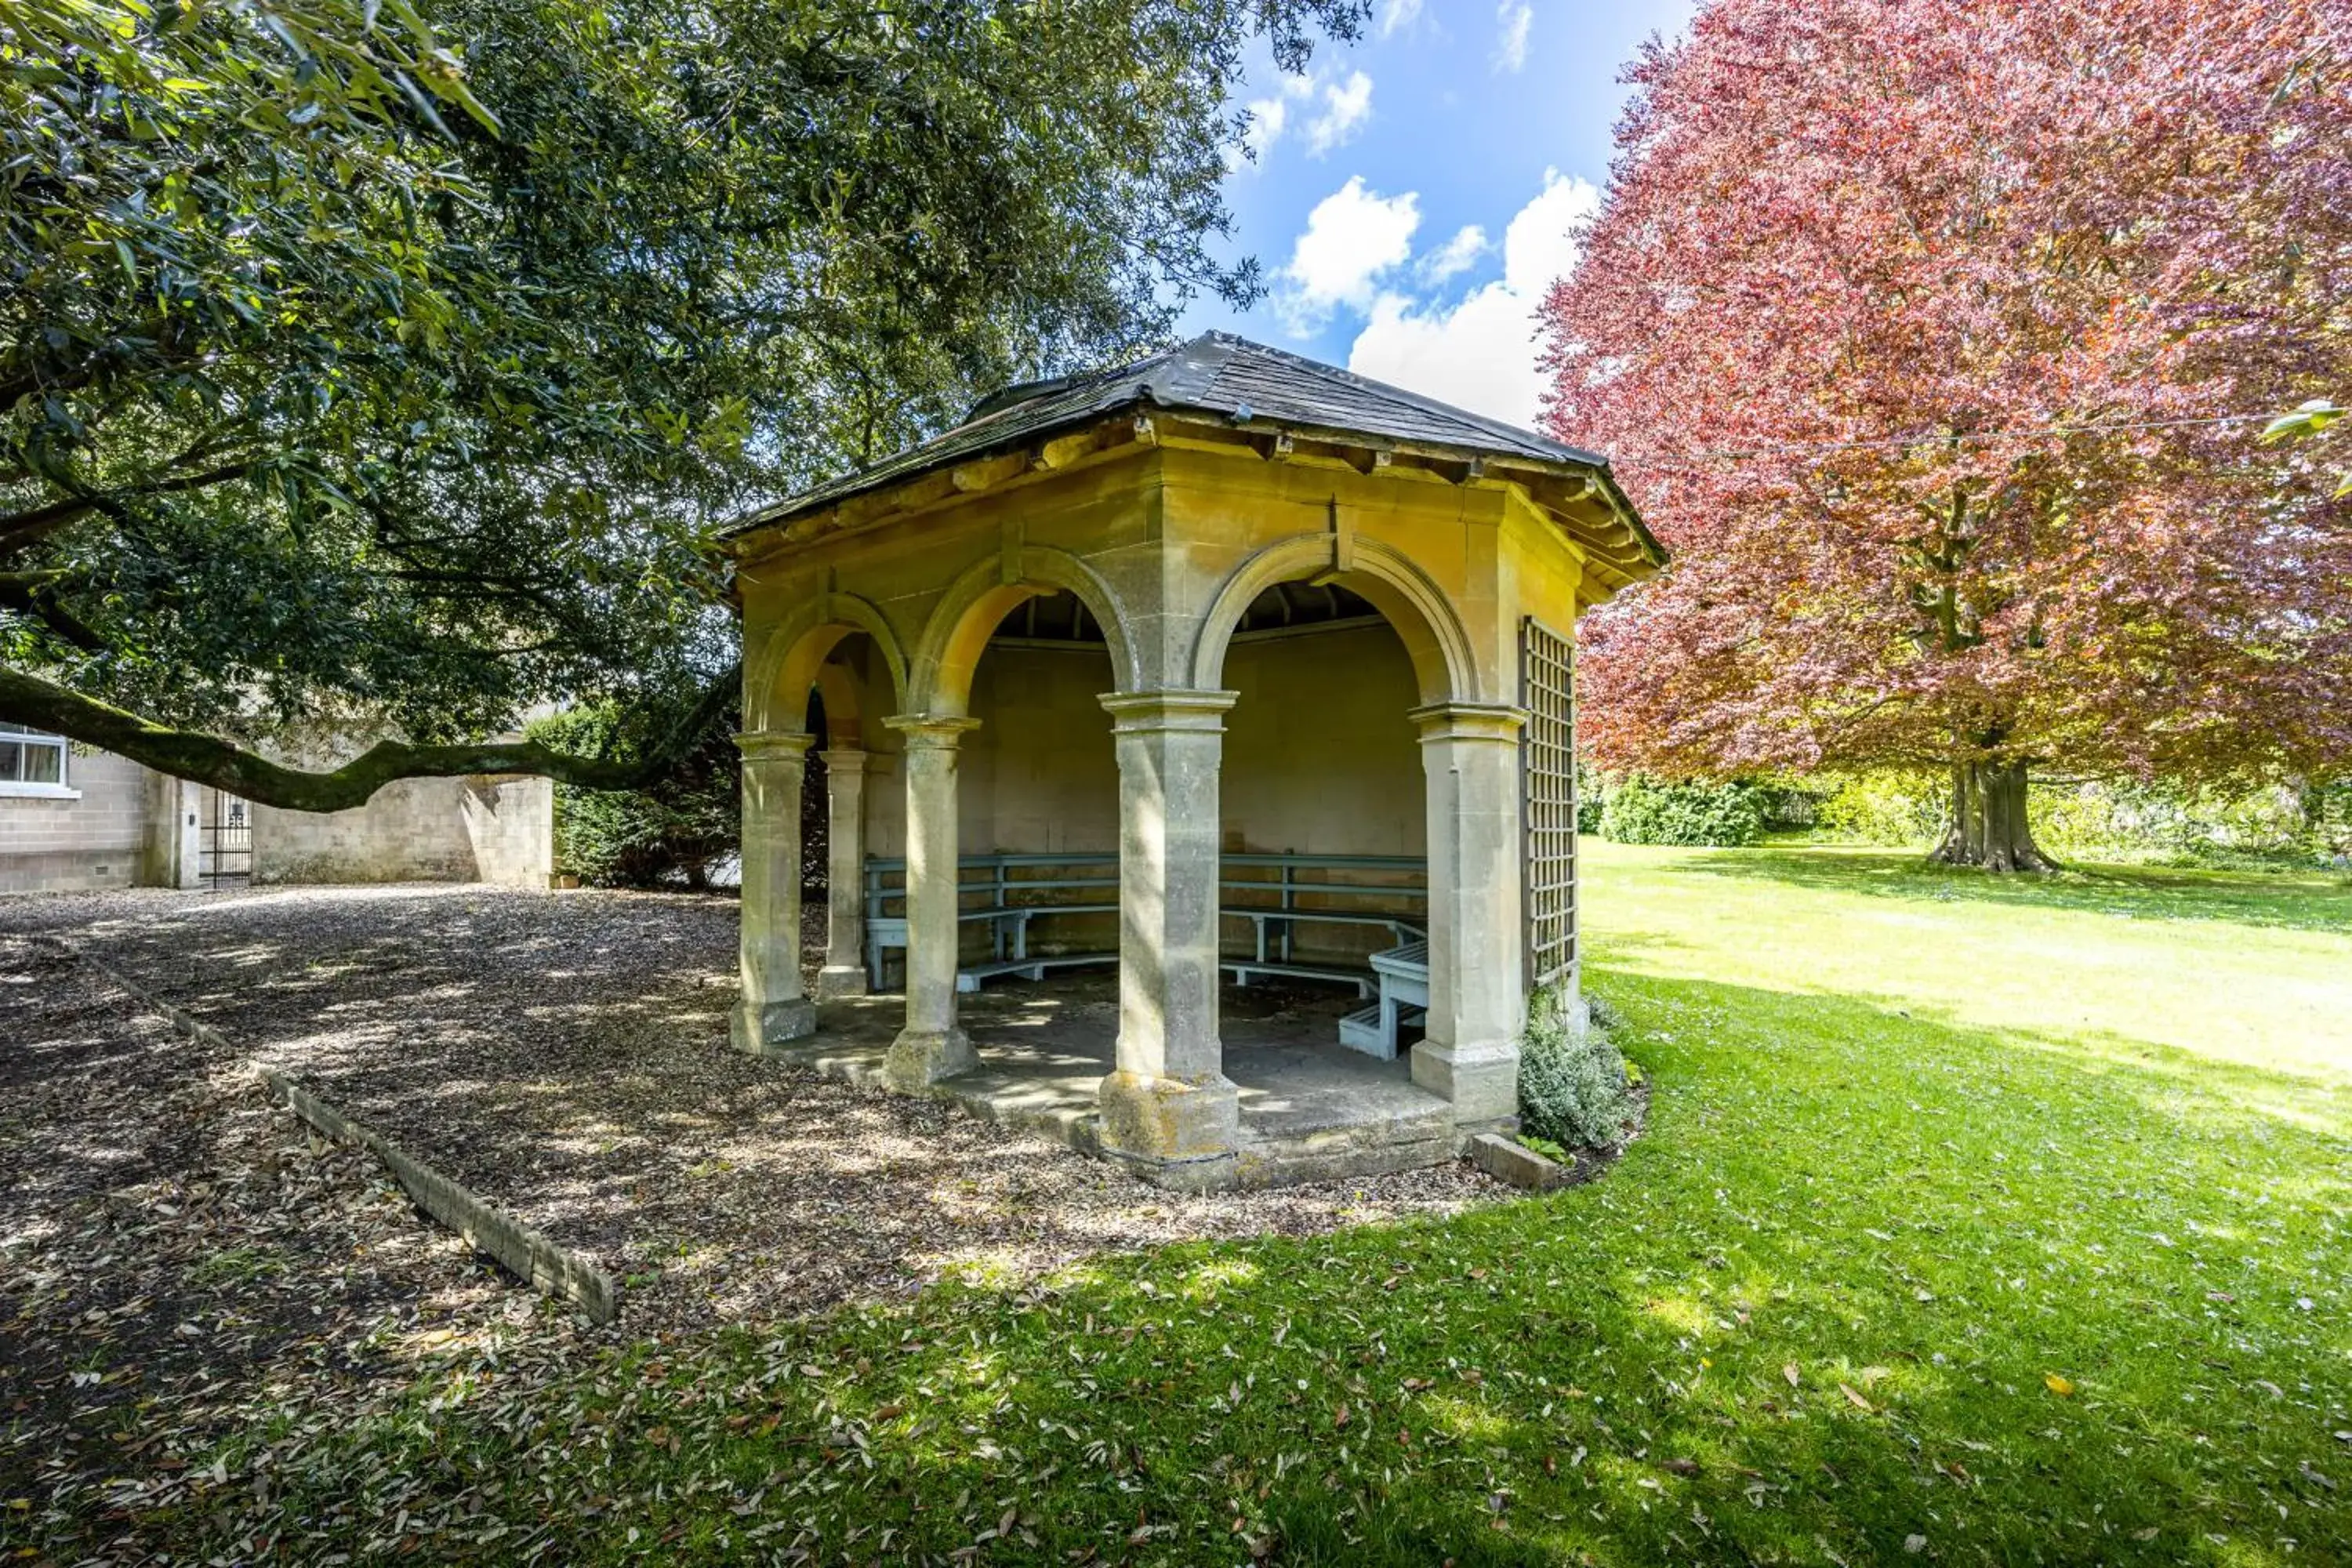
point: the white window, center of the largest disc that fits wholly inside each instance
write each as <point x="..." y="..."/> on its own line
<point x="31" y="762"/>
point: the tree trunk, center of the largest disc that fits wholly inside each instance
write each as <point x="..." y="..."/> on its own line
<point x="1989" y="826"/>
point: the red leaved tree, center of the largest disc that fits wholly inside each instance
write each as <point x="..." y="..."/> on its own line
<point x="1936" y="336"/>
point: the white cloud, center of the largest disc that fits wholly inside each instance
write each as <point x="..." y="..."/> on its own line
<point x="1457" y="255"/>
<point x="1481" y="353"/>
<point x="1352" y="236"/>
<point x="1540" y="248"/>
<point x="1346" y="105"/>
<point x="1269" y="118"/>
<point x="1395" y="14"/>
<point x="1515" y="17"/>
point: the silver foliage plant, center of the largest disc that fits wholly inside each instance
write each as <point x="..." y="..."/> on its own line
<point x="1573" y="1081"/>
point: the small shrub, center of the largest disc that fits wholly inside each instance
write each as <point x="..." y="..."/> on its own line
<point x="1791" y="805"/>
<point x="1572" y="1084"/>
<point x="1642" y="810"/>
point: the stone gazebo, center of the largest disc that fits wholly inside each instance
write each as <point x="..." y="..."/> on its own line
<point x="1130" y="671"/>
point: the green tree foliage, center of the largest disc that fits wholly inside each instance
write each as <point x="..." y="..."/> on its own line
<point x="1644" y="810"/>
<point x="678" y="827"/>
<point x="364" y="360"/>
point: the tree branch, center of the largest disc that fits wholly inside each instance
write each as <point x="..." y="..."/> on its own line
<point x="201" y="759"/>
<point x="47" y="519"/>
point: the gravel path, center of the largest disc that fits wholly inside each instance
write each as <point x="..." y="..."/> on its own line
<point x="178" y="1257"/>
<point x="565" y="1055"/>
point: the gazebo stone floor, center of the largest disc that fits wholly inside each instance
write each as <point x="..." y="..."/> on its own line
<point x="1311" y="1109"/>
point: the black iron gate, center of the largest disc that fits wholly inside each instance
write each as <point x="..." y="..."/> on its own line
<point x="226" y="855"/>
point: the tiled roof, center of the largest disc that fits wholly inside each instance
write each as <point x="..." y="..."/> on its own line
<point x="1215" y="373"/>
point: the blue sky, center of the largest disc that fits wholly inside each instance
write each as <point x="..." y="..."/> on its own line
<point x="1411" y="193"/>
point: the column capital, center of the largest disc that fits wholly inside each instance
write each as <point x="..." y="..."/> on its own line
<point x="843" y="758"/>
<point x="774" y="745"/>
<point x="1168" y="710"/>
<point x="931" y="732"/>
<point x="1497" y="721"/>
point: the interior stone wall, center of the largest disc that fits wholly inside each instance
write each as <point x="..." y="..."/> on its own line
<point x="1319" y="758"/>
<point x="1039" y="774"/>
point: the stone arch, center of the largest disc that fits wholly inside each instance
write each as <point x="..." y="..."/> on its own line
<point x="776" y="683"/>
<point x="1424" y="619"/>
<point x="844" y="715"/>
<point x="968" y="614"/>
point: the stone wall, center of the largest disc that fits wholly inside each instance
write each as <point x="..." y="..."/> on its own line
<point x="511" y="825"/>
<point x="418" y="830"/>
<point x="412" y="831"/>
<point x="1319" y="757"/>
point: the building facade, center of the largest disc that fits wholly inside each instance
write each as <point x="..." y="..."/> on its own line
<point x="1218" y="616"/>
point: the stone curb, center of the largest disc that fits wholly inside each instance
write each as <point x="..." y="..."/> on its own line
<point x="1517" y="1164"/>
<point x="553" y="1269"/>
<point x="492" y="1231"/>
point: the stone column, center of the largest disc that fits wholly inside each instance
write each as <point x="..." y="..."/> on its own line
<point x="843" y="974"/>
<point x="1478" y="1006"/>
<point x="1167" y="1110"/>
<point x="930" y="1047"/>
<point x="773" y="1008"/>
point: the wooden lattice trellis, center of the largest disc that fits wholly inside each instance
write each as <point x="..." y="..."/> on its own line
<point x="1548" y="800"/>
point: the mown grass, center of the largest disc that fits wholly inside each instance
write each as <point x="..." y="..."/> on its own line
<point x="1977" y="1221"/>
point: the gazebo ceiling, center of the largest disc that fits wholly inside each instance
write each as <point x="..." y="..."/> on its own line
<point x="1226" y="391"/>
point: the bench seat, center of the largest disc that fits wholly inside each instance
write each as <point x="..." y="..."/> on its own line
<point x="971" y="975"/>
<point x="1404" y="975"/>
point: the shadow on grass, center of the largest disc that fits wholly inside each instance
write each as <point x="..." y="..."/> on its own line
<point x="2313" y="901"/>
<point x="1812" y="1314"/>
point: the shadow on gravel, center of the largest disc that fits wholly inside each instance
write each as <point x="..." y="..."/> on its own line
<point x="565" y="1056"/>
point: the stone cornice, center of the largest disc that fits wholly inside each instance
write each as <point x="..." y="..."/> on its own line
<point x="1494" y="721"/>
<point x="931" y="731"/>
<point x="774" y="745"/>
<point x="1168" y="710"/>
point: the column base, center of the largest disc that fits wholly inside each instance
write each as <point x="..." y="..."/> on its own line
<point x="1171" y="1132"/>
<point x="836" y="981"/>
<point x="1480" y="1082"/>
<point x="760" y="1028"/>
<point x="921" y="1057"/>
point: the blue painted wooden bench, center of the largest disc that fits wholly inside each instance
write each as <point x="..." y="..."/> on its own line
<point x="1008" y="893"/>
<point x="1403" y="1004"/>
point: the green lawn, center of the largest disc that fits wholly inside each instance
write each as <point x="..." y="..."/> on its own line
<point x="1983" y="1221"/>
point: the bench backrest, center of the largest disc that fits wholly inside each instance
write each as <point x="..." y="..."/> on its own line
<point x="1252" y="880"/>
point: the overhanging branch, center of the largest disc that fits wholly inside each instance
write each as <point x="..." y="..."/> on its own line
<point x="204" y="759"/>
